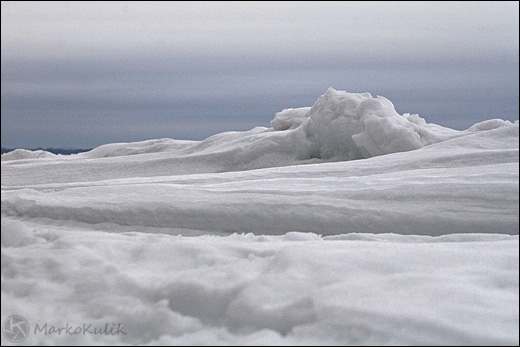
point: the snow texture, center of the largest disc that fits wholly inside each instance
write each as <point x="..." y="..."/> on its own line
<point x="344" y="223"/>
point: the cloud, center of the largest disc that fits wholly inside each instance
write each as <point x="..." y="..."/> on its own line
<point x="364" y="29"/>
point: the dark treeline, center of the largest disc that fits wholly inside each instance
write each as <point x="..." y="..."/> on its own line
<point x="52" y="150"/>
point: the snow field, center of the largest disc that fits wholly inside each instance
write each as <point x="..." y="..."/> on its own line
<point x="290" y="289"/>
<point x="345" y="223"/>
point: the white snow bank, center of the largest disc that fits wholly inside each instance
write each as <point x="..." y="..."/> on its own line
<point x="133" y="148"/>
<point x="490" y="125"/>
<point x="464" y="185"/>
<point x="19" y="154"/>
<point x="286" y="290"/>
<point x="340" y="126"/>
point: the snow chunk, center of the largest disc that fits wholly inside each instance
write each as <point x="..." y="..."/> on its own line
<point x="290" y="118"/>
<point x="347" y="126"/>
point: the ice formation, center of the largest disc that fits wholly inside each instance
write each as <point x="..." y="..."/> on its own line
<point x="183" y="243"/>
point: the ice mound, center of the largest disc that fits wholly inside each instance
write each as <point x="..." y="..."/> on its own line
<point x="347" y="126"/>
<point x="340" y="126"/>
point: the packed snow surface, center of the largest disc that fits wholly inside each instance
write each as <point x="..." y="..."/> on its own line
<point x="343" y="223"/>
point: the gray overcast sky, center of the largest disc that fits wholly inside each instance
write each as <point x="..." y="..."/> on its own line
<point x="82" y="74"/>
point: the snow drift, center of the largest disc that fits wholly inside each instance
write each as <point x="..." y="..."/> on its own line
<point x="19" y="154"/>
<point x="343" y="224"/>
<point x="339" y="126"/>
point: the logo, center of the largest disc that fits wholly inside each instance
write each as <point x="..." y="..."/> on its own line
<point x="15" y="329"/>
